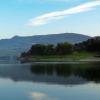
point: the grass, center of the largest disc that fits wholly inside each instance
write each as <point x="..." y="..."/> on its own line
<point x="76" y="56"/>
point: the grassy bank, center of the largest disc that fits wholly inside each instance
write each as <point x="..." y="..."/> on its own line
<point x="61" y="58"/>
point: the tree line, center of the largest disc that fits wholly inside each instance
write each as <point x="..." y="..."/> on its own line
<point x="91" y="45"/>
<point x="41" y="49"/>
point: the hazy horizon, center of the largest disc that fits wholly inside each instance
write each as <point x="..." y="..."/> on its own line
<point x="36" y="17"/>
<point x="40" y="35"/>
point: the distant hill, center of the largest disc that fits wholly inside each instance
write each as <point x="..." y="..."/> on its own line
<point x="18" y="44"/>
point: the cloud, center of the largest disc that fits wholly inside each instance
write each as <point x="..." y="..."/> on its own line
<point x="46" y="18"/>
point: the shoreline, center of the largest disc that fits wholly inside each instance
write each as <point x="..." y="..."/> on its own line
<point x="89" y="60"/>
<point x="80" y="57"/>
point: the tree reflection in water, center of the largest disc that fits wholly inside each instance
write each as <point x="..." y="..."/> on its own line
<point x="90" y="72"/>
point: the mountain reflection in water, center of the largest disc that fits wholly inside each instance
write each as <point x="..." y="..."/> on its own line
<point x="64" y="74"/>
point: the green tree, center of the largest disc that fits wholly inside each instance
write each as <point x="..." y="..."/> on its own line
<point x="64" y="48"/>
<point x="50" y="50"/>
<point x="37" y="49"/>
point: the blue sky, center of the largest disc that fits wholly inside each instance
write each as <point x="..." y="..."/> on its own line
<point x="34" y="17"/>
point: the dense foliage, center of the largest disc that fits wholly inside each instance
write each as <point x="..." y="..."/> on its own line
<point x="91" y="45"/>
<point x="41" y="49"/>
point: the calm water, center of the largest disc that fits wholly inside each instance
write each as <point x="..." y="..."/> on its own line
<point x="50" y="81"/>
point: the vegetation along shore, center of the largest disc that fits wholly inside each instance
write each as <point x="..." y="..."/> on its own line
<point x="87" y="51"/>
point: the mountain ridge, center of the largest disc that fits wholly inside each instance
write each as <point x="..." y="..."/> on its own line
<point x="18" y="44"/>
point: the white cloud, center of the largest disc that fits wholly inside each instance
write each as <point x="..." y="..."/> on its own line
<point x="44" y="19"/>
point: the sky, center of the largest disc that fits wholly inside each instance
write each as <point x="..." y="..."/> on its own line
<point x="39" y="17"/>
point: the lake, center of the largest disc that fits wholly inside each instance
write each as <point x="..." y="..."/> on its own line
<point x="50" y="81"/>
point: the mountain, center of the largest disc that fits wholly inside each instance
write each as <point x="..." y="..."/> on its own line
<point x="18" y="44"/>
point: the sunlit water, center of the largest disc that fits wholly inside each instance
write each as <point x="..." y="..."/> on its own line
<point x="50" y="81"/>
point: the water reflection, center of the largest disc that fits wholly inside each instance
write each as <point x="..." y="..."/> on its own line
<point x="42" y="96"/>
<point x="52" y="73"/>
<point x="74" y="72"/>
<point x="8" y="60"/>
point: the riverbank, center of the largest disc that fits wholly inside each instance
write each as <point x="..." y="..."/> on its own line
<point x="75" y="57"/>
